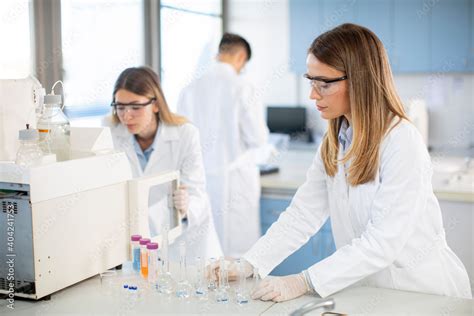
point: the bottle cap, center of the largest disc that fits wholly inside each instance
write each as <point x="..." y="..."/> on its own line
<point x="28" y="133"/>
<point x="152" y="245"/>
<point x="51" y="99"/>
<point x="136" y="237"/>
<point x="144" y="241"/>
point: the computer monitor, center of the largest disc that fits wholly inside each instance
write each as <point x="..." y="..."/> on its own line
<point x="286" y="119"/>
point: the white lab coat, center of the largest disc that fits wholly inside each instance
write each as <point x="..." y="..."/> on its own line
<point x="178" y="148"/>
<point x="388" y="233"/>
<point x="231" y="123"/>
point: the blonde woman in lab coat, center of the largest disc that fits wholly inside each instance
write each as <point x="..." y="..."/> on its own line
<point x="156" y="140"/>
<point x="372" y="176"/>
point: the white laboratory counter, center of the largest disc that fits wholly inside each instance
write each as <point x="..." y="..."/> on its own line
<point x="293" y="164"/>
<point x="90" y="297"/>
<point x="377" y="301"/>
<point x="93" y="297"/>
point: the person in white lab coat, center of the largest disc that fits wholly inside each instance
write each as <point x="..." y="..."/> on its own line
<point x="156" y="140"/>
<point x="371" y="176"/>
<point x="230" y="119"/>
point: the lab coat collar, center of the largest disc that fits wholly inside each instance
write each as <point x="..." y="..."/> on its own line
<point x="225" y="67"/>
<point x="168" y="132"/>
<point x="345" y="134"/>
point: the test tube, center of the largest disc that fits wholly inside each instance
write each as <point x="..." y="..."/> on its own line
<point x="256" y="277"/>
<point x="200" y="288"/>
<point x="212" y="286"/>
<point x="152" y="262"/>
<point x="242" y="294"/>
<point x="144" y="257"/>
<point x="165" y="281"/>
<point x="222" y="296"/>
<point x="183" y="288"/>
<point x="135" y="246"/>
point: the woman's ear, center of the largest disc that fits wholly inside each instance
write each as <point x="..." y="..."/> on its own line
<point x="156" y="109"/>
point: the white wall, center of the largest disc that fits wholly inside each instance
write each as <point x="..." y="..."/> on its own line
<point x="265" y="24"/>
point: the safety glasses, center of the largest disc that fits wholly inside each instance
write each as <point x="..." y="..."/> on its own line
<point x="135" y="108"/>
<point x="325" y="86"/>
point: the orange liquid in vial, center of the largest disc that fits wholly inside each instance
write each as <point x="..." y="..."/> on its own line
<point x="144" y="265"/>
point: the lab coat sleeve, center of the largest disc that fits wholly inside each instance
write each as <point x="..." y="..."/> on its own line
<point x="405" y="172"/>
<point x="253" y="127"/>
<point x="302" y="219"/>
<point x="192" y="175"/>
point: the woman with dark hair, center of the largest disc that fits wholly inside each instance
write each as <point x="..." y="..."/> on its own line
<point x="371" y="176"/>
<point x="156" y="140"/>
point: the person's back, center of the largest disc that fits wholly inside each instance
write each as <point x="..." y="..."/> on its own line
<point x="230" y="121"/>
<point x="214" y="103"/>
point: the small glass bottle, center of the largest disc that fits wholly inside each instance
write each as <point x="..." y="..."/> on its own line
<point x="29" y="153"/>
<point x="54" y="128"/>
<point x="135" y="247"/>
<point x="144" y="257"/>
<point x="183" y="288"/>
<point x="152" y="262"/>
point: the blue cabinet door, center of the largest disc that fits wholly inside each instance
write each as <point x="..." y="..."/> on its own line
<point x="305" y="26"/>
<point x="470" y="66"/>
<point x="377" y="16"/>
<point x="316" y="249"/>
<point x="420" y="36"/>
<point x="336" y="12"/>
<point x="411" y="46"/>
<point x="450" y="31"/>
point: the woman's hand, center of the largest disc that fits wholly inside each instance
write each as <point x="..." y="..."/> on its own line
<point x="181" y="200"/>
<point x="233" y="272"/>
<point x="279" y="289"/>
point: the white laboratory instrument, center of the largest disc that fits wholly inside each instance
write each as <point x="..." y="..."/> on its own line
<point x="417" y="112"/>
<point x="19" y="99"/>
<point x="63" y="222"/>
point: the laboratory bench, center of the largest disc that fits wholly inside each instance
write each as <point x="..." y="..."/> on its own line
<point x="99" y="296"/>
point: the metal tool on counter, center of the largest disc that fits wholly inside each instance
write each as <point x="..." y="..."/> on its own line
<point x="326" y="304"/>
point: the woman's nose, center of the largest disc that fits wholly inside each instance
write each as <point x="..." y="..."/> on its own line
<point x="314" y="95"/>
<point x="127" y="114"/>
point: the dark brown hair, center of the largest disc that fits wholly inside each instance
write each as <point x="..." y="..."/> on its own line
<point x="230" y="42"/>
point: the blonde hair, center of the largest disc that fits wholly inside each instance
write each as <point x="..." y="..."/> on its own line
<point x="374" y="103"/>
<point x="144" y="81"/>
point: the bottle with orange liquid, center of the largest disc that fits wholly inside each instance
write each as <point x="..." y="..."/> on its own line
<point x="144" y="257"/>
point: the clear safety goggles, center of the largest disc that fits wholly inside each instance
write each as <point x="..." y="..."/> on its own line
<point x="325" y="86"/>
<point x="135" y="108"/>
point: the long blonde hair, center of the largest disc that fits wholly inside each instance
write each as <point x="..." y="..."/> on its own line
<point x="144" y="81"/>
<point x="374" y="103"/>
